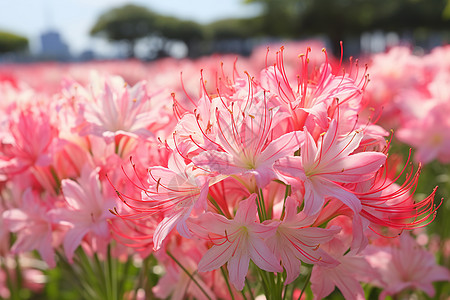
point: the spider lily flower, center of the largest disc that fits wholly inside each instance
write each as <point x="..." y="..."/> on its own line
<point x="345" y="276"/>
<point x="322" y="168"/>
<point x="296" y="241"/>
<point x="87" y="211"/>
<point x="406" y="266"/>
<point x="313" y="93"/>
<point x="236" y="242"/>
<point x="174" y="192"/>
<point x="387" y="204"/>
<point x="29" y="142"/>
<point x="116" y="109"/>
<point x="245" y="141"/>
<point x="34" y="225"/>
<point x="387" y="208"/>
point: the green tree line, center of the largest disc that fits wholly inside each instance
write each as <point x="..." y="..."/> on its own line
<point x="10" y="42"/>
<point x="295" y="19"/>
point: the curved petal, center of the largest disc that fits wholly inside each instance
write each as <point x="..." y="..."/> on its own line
<point x="72" y="240"/>
<point x="355" y="168"/>
<point x="216" y="257"/>
<point x="238" y="268"/>
<point x="321" y="285"/>
<point x="262" y="256"/>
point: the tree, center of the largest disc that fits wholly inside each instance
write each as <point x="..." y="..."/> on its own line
<point x="189" y="32"/>
<point x="338" y="19"/>
<point x="279" y="17"/>
<point x="10" y="42"/>
<point x="235" y="28"/>
<point x="128" y="23"/>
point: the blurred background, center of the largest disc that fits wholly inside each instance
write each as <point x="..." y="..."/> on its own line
<point x="80" y="30"/>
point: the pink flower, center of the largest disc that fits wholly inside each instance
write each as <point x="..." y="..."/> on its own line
<point x="173" y="192"/>
<point x="113" y="108"/>
<point x="312" y="94"/>
<point x="87" y="210"/>
<point x="391" y="73"/>
<point x="345" y="276"/>
<point x="407" y="266"/>
<point x="295" y="241"/>
<point x="429" y="134"/>
<point x="28" y="142"/>
<point x="34" y="226"/>
<point x="245" y="141"/>
<point x="236" y="241"/>
<point x="323" y="167"/>
<point x="175" y="282"/>
<point x="387" y="204"/>
<point x="4" y="235"/>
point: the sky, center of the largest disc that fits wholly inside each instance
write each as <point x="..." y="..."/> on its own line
<point x="74" y="18"/>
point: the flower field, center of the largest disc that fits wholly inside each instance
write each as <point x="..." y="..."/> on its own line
<point x="289" y="174"/>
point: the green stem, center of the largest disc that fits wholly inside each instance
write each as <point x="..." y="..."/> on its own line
<point x="216" y="205"/>
<point x="280" y="282"/>
<point x="287" y="192"/>
<point x="188" y="274"/>
<point x="249" y="289"/>
<point x="56" y="179"/>
<point x="125" y="269"/>
<point x="142" y="278"/>
<point x="114" y="276"/>
<point x="81" y="280"/>
<point x="227" y="282"/>
<point x="285" y="291"/>
<point x="19" y="275"/>
<point x="261" y="206"/>
<point x="265" y="282"/>
<point x="14" y="295"/>
<point x="305" y="285"/>
<point x="102" y="276"/>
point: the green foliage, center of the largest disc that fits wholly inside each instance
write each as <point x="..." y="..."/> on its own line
<point x="173" y="28"/>
<point x="235" y="28"/>
<point x="446" y="12"/>
<point x="10" y="42"/>
<point x="324" y="16"/>
<point x="280" y="17"/>
<point x="129" y="22"/>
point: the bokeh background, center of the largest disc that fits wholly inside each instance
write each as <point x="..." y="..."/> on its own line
<point x="80" y="30"/>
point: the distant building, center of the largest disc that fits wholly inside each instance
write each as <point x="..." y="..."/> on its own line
<point x="53" y="47"/>
<point x="87" y="55"/>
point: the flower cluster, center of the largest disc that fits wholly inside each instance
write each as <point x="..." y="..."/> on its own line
<point x="260" y="169"/>
<point x="276" y="166"/>
<point x="56" y="150"/>
<point x="413" y="93"/>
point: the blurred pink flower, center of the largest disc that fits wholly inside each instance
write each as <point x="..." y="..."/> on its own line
<point x="345" y="276"/>
<point x="33" y="224"/>
<point x="87" y="211"/>
<point x="406" y="266"/>
<point x="28" y="142"/>
<point x="112" y="108"/>
<point x="430" y="134"/>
